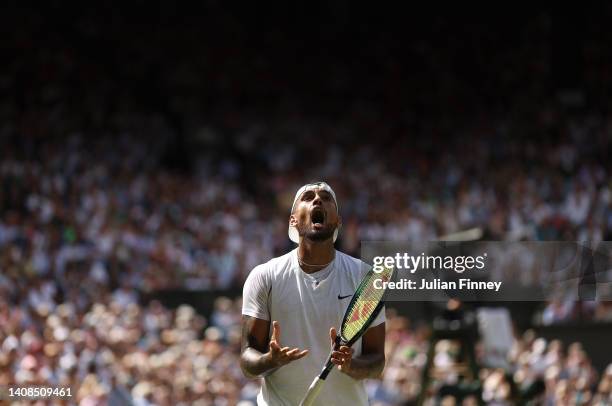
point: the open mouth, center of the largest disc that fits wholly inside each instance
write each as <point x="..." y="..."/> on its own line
<point x="317" y="216"/>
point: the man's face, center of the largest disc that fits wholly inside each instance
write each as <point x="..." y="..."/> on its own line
<point x="315" y="216"/>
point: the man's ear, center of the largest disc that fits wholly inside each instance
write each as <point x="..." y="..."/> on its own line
<point x="292" y="221"/>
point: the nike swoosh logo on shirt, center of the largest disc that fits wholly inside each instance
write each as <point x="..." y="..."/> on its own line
<point x="343" y="297"/>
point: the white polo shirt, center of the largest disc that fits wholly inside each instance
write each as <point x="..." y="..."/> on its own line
<point x="306" y="306"/>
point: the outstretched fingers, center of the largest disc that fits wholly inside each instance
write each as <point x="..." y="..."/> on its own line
<point x="275" y="338"/>
<point x="287" y="355"/>
<point x="292" y="352"/>
<point x="282" y="355"/>
<point x="296" y="354"/>
<point x="275" y="331"/>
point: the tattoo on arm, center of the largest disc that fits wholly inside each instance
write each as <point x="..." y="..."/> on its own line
<point x="248" y="338"/>
<point x="367" y="366"/>
<point x="254" y="342"/>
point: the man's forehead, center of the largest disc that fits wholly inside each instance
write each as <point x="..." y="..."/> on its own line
<point x="321" y="188"/>
<point x="317" y="189"/>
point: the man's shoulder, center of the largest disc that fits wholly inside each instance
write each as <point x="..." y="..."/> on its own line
<point x="351" y="264"/>
<point x="274" y="265"/>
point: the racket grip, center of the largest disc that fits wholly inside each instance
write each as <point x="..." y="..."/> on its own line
<point x="313" y="392"/>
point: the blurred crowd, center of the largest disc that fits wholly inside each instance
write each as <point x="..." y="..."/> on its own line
<point x="120" y="352"/>
<point x="568" y="374"/>
<point x="539" y="373"/>
<point x="142" y="155"/>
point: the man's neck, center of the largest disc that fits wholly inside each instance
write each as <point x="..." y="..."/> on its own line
<point x="315" y="255"/>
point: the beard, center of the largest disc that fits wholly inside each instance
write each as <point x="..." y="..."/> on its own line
<point x="311" y="234"/>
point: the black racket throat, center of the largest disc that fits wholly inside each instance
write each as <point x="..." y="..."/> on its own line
<point x="330" y="365"/>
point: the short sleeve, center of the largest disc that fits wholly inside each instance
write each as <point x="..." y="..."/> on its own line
<point x="255" y="294"/>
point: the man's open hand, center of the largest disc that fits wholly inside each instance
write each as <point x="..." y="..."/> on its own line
<point x="278" y="355"/>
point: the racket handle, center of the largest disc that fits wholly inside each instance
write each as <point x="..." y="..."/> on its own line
<point x="313" y="392"/>
<point x="317" y="384"/>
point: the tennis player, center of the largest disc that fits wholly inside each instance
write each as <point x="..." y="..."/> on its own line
<point x="293" y="304"/>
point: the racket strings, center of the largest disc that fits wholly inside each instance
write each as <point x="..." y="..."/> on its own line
<point x="358" y="317"/>
<point x="364" y="305"/>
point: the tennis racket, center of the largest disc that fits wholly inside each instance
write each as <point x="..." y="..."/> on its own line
<point x="365" y="305"/>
